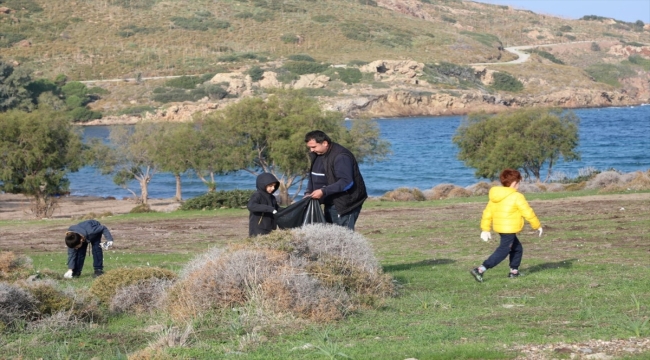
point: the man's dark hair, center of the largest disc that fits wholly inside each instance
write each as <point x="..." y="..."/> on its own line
<point x="72" y="240"/>
<point x="317" y="136"/>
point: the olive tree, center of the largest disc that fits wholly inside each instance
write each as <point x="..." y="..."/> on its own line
<point x="268" y="136"/>
<point x="37" y="151"/>
<point x="525" y="139"/>
<point x="214" y="151"/>
<point x="174" y="151"/>
<point x="14" y="92"/>
<point x="131" y="155"/>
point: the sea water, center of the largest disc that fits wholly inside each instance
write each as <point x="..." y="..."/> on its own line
<point x="423" y="156"/>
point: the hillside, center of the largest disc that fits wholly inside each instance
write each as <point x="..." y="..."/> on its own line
<point x="379" y="58"/>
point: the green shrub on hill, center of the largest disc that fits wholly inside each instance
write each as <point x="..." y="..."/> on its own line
<point x="609" y="73"/>
<point x="305" y="67"/>
<point x="640" y="61"/>
<point x="547" y="55"/>
<point x="484" y="38"/>
<point x="184" y="82"/>
<point x="301" y="57"/>
<point x="506" y="82"/>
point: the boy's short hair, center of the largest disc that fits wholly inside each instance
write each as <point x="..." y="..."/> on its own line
<point x="318" y="136"/>
<point x="508" y="176"/>
<point x="72" y="239"/>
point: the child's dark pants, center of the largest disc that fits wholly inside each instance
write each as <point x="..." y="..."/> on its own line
<point x="510" y="245"/>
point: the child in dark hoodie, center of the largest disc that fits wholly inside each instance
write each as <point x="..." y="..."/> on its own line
<point x="263" y="205"/>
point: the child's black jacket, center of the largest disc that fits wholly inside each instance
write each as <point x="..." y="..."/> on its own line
<point x="261" y="205"/>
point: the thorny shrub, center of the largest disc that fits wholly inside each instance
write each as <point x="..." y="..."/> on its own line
<point x="319" y="272"/>
<point x="440" y="191"/>
<point x="49" y="299"/>
<point x="404" y="194"/>
<point x="633" y="181"/>
<point x="604" y="179"/>
<point x="14" y="266"/>
<point x="107" y="285"/>
<point x="16" y="306"/>
<point x="141" y="297"/>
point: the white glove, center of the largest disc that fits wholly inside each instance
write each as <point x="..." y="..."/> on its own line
<point x="486" y="235"/>
<point x="107" y="245"/>
<point x="540" y="231"/>
<point x="68" y="274"/>
<point x="275" y="212"/>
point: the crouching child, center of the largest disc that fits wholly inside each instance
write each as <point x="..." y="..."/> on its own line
<point x="77" y="239"/>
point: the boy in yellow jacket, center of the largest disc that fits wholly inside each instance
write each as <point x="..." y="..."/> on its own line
<point x="506" y="211"/>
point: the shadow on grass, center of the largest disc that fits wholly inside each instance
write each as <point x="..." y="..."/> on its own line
<point x="564" y="264"/>
<point x="434" y="262"/>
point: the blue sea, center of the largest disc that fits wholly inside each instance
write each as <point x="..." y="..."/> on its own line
<point x="423" y="156"/>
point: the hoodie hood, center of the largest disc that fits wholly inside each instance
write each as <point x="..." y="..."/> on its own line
<point x="498" y="193"/>
<point x="264" y="179"/>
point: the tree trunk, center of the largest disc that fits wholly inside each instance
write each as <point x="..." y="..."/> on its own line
<point x="144" y="185"/>
<point x="179" y="197"/>
<point x="284" y="194"/>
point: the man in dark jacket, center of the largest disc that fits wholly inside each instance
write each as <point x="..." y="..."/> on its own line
<point x="335" y="179"/>
<point x="262" y="206"/>
<point x="77" y="238"/>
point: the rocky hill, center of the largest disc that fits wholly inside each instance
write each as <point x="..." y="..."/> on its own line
<point x="378" y="58"/>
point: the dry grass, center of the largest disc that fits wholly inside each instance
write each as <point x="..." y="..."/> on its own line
<point x="141" y="297"/>
<point x="16" y="304"/>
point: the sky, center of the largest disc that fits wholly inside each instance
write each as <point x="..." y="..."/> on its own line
<point x="625" y="10"/>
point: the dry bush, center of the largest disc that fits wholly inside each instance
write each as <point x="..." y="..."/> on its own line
<point x="305" y="296"/>
<point x="14" y="266"/>
<point x="16" y="305"/>
<point x="631" y="181"/>
<point x="555" y="187"/>
<point x="404" y="194"/>
<point x="575" y="187"/>
<point x="459" y="192"/>
<point x="222" y="280"/>
<point x="106" y="286"/>
<point x="479" y="189"/>
<point x="525" y="187"/>
<point x="170" y="337"/>
<point x="441" y="191"/>
<point x="311" y="272"/>
<point x="603" y="180"/>
<point x="83" y="311"/>
<point x="49" y="299"/>
<point x="141" y="297"/>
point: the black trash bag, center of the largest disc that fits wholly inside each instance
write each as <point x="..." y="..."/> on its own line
<point x="305" y="211"/>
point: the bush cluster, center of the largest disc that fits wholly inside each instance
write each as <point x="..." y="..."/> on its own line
<point x="218" y="200"/>
<point x="304" y="67"/>
<point x="320" y="272"/>
<point x="590" y="179"/>
<point x="448" y="73"/>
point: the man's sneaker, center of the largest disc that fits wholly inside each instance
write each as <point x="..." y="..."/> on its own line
<point x="476" y="274"/>
<point x="98" y="273"/>
<point x="513" y="275"/>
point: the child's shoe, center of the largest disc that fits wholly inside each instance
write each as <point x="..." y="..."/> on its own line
<point x="477" y="274"/>
<point x="98" y="273"/>
<point x="514" y="274"/>
<point x="68" y="274"/>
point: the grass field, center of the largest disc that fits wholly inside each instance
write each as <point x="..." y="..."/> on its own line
<point x="585" y="279"/>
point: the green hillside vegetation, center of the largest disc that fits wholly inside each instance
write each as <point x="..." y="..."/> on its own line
<point x="141" y="39"/>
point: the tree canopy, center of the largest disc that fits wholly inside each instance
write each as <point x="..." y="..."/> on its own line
<point x="131" y="155"/>
<point x="37" y="151"/>
<point x="525" y="139"/>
